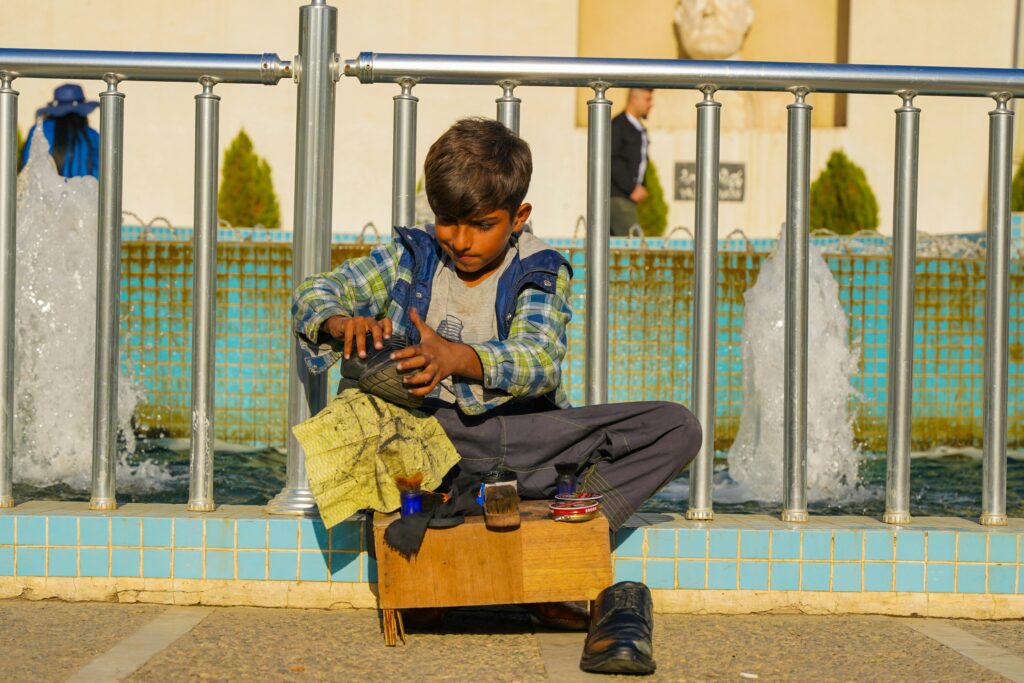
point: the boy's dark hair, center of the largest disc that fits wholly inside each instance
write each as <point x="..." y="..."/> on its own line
<point x="477" y="166"/>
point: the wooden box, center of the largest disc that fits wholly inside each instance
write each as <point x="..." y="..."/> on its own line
<point x="541" y="561"/>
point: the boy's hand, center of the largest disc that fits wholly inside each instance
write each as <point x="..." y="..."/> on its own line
<point x="436" y="358"/>
<point x="353" y="332"/>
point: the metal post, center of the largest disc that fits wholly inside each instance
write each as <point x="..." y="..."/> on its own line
<point x="1000" y="148"/>
<point x="108" y="298"/>
<point x="314" y="175"/>
<point x="508" y="106"/>
<point x="8" y="253"/>
<point x="204" y="299"/>
<point x="403" y="166"/>
<point x="901" y="314"/>
<point x="599" y="180"/>
<point x="794" y="466"/>
<point x="705" y="310"/>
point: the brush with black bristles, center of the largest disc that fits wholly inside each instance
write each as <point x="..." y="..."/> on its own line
<point x="501" y="499"/>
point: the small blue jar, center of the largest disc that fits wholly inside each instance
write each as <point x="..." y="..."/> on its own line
<point x="412" y="502"/>
<point x="565" y="483"/>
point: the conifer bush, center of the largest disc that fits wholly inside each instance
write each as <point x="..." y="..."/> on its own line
<point x="652" y="213"/>
<point x="246" y="197"/>
<point x="841" y="198"/>
<point x="1017" y="190"/>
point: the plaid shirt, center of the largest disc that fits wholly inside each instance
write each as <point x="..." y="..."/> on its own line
<point x="526" y="365"/>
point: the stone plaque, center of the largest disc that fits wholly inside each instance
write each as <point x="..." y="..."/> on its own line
<point x="731" y="179"/>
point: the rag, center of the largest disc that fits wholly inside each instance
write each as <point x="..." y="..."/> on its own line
<point x="358" y="444"/>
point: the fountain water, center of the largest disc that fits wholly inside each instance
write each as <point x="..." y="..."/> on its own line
<point x="56" y="309"/>
<point x="755" y="459"/>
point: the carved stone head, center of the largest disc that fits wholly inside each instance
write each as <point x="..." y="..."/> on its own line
<point x="713" y="29"/>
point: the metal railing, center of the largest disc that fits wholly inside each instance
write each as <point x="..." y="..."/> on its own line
<point x="316" y="70"/>
<point x="113" y="68"/>
<point x="802" y="80"/>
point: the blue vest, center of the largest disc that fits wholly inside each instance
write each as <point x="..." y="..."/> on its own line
<point x="423" y="253"/>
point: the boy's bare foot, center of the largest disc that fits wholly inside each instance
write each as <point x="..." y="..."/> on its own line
<point x="565" y="616"/>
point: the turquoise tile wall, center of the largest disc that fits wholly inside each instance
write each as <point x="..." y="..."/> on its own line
<point x="182" y="548"/>
<point x="840" y="559"/>
<point x="731" y="554"/>
<point x="252" y="565"/>
<point x="252" y="342"/>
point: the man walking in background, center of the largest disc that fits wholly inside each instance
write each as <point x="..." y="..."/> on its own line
<point x="629" y="160"/>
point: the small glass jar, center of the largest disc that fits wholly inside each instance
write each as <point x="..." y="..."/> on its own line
<point x="565" y="482"/>
<point x="412" y="502"/>
<point x="501" y="499"/>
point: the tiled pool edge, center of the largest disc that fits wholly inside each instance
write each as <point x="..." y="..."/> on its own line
<point x="238" y="555"/>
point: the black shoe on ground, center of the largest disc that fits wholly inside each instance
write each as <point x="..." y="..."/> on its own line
<point x="621" y="625"/>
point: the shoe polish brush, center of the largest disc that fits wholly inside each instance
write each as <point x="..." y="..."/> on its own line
<point x="501" y="499"/>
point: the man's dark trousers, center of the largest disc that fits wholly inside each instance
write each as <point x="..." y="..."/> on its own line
<point x="625" y="451"/>
<point x="626" y="153"/>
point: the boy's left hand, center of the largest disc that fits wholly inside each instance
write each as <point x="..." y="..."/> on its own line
<point x="436" y="358"/>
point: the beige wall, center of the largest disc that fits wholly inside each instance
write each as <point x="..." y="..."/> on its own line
<point x="954" y="131"/>
<point x="159" y="128"/>
<point x="159" y="135"/>
<point x="646" y="30"/>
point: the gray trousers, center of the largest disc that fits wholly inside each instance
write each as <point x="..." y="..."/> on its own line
<point x="622" y="216"/>
<point x="625" y="451"/>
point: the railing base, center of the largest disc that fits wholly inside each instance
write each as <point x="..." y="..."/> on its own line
<point x="794" y="516"/>
<point x="294" y="501"/>
<point x="990" y="519"/>
<point x="103" y="504"/>
<point x="896" y="518"/>
<point x="6" y="501"/>
<point x="200" y="506"/>
<point x="700" y="514"/>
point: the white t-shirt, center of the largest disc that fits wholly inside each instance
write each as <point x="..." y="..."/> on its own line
<point x="464" y="314"/>
<point x="643" y="147"/>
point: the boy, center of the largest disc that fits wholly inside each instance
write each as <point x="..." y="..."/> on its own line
<point x="486" y="308"/>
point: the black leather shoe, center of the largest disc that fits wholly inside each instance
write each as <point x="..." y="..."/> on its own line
<point x="621" y="624"/>
<point x="378" y="375"/>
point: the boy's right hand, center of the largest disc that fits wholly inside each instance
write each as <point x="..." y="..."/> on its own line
<point x="353" y="332"/>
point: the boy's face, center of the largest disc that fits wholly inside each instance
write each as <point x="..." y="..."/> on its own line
<point x="477" y="245"/>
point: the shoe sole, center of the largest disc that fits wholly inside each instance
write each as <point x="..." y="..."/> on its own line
<point x="618" y="661"/>
<point x="387" y="384"/>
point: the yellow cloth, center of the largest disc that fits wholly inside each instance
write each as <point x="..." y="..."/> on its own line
<point x="357" y="444"/>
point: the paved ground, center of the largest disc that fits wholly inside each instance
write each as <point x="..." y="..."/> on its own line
<point x="54" y="641"/>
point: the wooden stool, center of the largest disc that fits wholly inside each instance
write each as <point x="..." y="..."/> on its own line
<point x="541" y="561"/>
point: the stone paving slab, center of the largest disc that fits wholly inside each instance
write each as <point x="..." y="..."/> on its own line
<point x="48" y="640"/>
<point x="44" y="641"/>
<point x="803" y="648"/>
<point x="1008" y="635"/>
<point x="243" y="643"/>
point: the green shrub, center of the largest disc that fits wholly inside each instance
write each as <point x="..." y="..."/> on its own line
<point x="1017" y="192"/>
<point x="246" y="197"/>
<point x="652" y="213"/>
<point x="21" y="147"/>
<point x="841" y="198"/>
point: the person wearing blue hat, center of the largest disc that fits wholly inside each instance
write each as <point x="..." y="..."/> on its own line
<point x="74" y="145"/>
